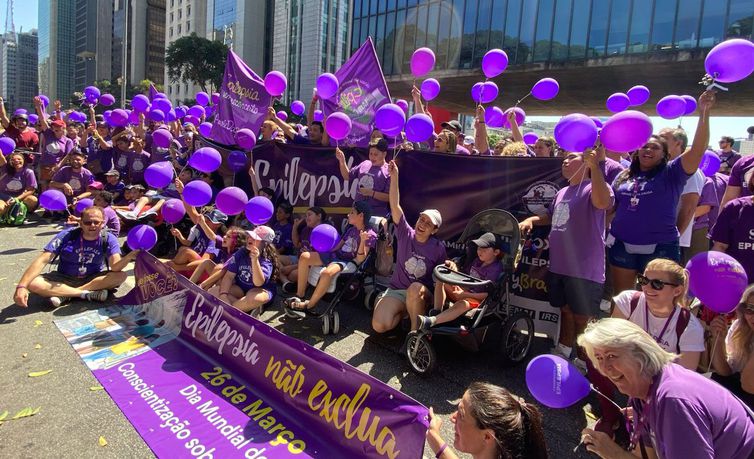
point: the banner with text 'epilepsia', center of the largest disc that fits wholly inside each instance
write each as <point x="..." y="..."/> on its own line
<point x="198" y="378"/>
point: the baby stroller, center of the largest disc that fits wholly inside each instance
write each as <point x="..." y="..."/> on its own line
<point x="348" y="285"/>
<point x="494" y="317"/>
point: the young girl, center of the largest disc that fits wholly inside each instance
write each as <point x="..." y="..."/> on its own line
<point x="17" y="183"/>
<point x="210" y="271"/>
<point x="283" y="228"/>
<point x="487" y="266"/>
<point x="249" y="282"/>
<point x="201" y="241"/>
<point x="302" y="230"/>
<point x="350" y="252"/>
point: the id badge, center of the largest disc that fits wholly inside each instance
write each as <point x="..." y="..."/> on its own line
<point x="82" y="270"/>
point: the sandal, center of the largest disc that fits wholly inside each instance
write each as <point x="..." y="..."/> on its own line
<point x="296" y="307"/>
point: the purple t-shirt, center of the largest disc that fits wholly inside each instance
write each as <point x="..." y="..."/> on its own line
<point x="112" y="222"/>
<point x="728" y="160"/>
<point x="158" y="154"/>
<point x="351" y="240"/>
<point x="646" y="207"/>
<point x="283" y="238"/>
<point x="79" y="257"/>
<point x="489" y="272"/>
<point x="304" y="237"/>
<point x="711" y="195"/>
<point x="415" y="260"/>
<point x="240" y="265"/>
<point x="611" y="168"/>
<point x="735" y="227"/>
<point x="137" y="162"/>
<point x="376" y="178"/>
<point x="117" y="191"/>
<point x="461" y="150"/>
<point x="95" y="154"/>
<point x="690" y="416"/>
<point x="740" y="174"/>
<point x="53" y="149"/>
<point x="577" y="246"/>
<point x="78" y="180"/>
<point x="199" y="241"/>
<point x="16" y="183"/>
<point x="120" y="161"/>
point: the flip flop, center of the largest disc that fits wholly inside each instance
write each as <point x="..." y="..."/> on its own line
<point x="295" y="307"/>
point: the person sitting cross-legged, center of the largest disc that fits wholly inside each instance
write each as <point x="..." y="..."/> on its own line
<point x="85" y="253"/>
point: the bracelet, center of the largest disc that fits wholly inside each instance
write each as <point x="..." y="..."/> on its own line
<point x="21" y="286"/>
<point x="441" y="450"/>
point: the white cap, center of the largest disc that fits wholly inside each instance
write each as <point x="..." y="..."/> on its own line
<point x="434" y="216"/>
<point x="262" y="233"/>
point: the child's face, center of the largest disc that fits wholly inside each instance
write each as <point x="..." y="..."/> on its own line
<point x="99" y="202"/>
<point x="111" y="179"/>
<point x="128" y="194"/>
<point x="353" y="217"/>
<point x="487" y="254"/>
<point x="281" y="215"/>
<point x="312" y="219"/>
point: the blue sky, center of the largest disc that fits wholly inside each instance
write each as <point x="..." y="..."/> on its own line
<point x="24" y="14"/>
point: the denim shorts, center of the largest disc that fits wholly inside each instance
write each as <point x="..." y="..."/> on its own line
<point x="620" y="258"/>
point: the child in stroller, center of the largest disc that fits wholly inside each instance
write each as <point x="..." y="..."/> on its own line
<point x="490" y="250"/>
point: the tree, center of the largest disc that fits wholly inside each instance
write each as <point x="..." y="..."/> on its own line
<point x="198" y="60"/>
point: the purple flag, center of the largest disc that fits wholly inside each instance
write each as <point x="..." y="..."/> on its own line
<point x="243" y="101"/>
<point x="152" y="91"/>
<point x="362" y="91"/>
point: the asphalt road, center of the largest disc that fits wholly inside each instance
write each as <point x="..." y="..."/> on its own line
<point x="74" y="414"/>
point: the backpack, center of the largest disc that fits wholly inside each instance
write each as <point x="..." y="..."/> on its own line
<point x="16" y="214"/>
<point x="75" y="234"/>
<point x="384" y="250"/>
<point x="680" y="326"/>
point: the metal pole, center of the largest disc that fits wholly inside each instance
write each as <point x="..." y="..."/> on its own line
<point x="124" y="78"/>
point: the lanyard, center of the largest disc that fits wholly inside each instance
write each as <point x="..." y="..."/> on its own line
<point x="664" y="328"/>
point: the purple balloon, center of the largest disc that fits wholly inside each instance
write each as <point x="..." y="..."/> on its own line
<point x="618" y="102"/>
<point x="237" y="161"/>
<point x="197" y="111"/>
<point x="7" y="145"/>
<point x="205" y="129"/>
<point x="494" y="63"/>
<point x="155" y="114"/>
<point x="92" y="92"/>
<point x="205" y="159"/>
<point x="626" y="131"/>
<point x="422" y="62"/>
<point x="259" y="210"/>
<point x="324" y="238"/>
<point x="180" y="112"/>
<point x="338" y="125"/>
<point x="118" y="117"/>
<point x="163" y="105"/>
<point x="282" y="115"/>
<point x="53" y="200"/>
<point x="192" y="119"/>
<point x="717" y="279"/>
<point x="160" y="95"/>
<point x="690" y="105"/>
<point x="298" y="107"/>
<point x="710" y="163"/>
<point x="33" y="119"/>
<point x="419" y="128"/>
<point x="319" y="116"/>
<point x="403" y="105"/>
<point x="430" y="88"/>
<point x="530" y="138"/>
<point x="476" y="92"/>
<point x="197" y="193"/>
<point x="555" y="382"/>
<point x="45" y="100"/>
<point x="327" y="86"/>
<point x="133" y="118"/>
<point x="141" y="237"/>
<point x="731" y="60"/>
<point x="107" y="100"/>
<point x="170" y="116"/>
<point x="545" y="89"/>
<point x="520" y="116"/>
<point x="494" y="117"/>
<point x="390" y="118"/>
<point x="140" y="102"/>
<point x="576" y="132"/>
<point x="215" y="98"/>
<point x="246" y="139"/>
<point x="83" y="204"/>
<point x="275" y="83"/>
<point x="159" y="175"/>
<point x="173" y="211"/>
<point x="231" y="200"/>
<point x="202" y="98"/>
<point x="162" y="138"/>
<point x="638" y="95"/>
<point x="488" y="92"/>
<point x="671" y="107"/>
<point x="597" y="122"/>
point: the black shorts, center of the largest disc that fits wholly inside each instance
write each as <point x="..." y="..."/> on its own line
<point x="582" y="296"/>
<point x="71" y="281"/>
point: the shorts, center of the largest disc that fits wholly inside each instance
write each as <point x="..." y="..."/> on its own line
<point x="582" y="296"/>
<point x="399" y="294"/>
<point x="329" y="259"/>
<point x="619" y="257"/>
<point x="5" y="196"/>
<point x="71" y="281"/>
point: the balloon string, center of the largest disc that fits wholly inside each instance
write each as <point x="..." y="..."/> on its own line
<point x="712" y="354"/>
<point x="591" y="386"/>
<point x="522" y="99"/>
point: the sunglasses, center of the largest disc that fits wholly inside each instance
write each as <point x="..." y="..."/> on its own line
<point x="91" y="222"/>
<point x="656" y="284"/>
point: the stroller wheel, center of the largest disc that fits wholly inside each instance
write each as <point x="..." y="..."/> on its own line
<point x="370" y="299"/>
<point x="516" y="338"/>
<point x="326" y="324"/>
<point x="353" y="289"/>
<point x="421" y="355"/>
<point x="335" y="325"/>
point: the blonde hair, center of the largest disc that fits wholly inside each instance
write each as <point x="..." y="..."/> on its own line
<point x="741" y="336"/>
<point x="452" y="140"/>
<point x="615" y="333"/>
<point x="515" y="149"/>
<point x="678" y="275"/>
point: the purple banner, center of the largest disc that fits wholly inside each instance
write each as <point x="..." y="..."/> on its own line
<point x="152" y="91"/>
<point x="198" y="378"/>
<point x="243" y="101"/>
<point x="362" y="91"/>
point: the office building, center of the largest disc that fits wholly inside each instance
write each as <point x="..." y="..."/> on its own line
<point x="57" y="48"/>
<point x="145" y="41"/>
<point x="18" y="61"/>
<point x="183" y="18"/>
<point x="245" y="26"/>
<point x="94" y="23"/>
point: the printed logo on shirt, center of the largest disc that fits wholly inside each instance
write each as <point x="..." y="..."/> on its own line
<point x="539" y="196"/>
<point x="53" y="148"/>
<point x="366" y="181"/>
<point x="560" y="215"/>
<point x="415" y="267"/>
<point x="137" y="165"/>
<point x="122" y="161"/>
<point x="75" y="183"/>
<point x="349" y="246"/>
<point x="14" y="185"/>
<point x="244" y="274"/>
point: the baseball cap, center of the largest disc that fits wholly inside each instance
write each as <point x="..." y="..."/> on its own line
<point x="468" y="140"/>
<point x="453" y="124"/>
<point x="96" y="185"/>
<point x="58" y="123"/>
<point x="491" y="240"/>
<point x="262" y="233"/>
<point x="135" y="187"/>
<point x="434" y="216"/>
<point x="113" y="172"/>
<point x="380" y="144"/>
<point x="216" y="216"/>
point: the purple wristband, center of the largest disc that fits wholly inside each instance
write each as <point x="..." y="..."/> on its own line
<point x="442" y="450"/>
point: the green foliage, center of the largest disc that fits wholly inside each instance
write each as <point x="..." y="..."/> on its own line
<point x="198" y="60"/>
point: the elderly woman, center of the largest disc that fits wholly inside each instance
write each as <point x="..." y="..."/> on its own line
<point x="676" y="412"/>
<point x="733" y="359"/>
<point x="491" y="423"/>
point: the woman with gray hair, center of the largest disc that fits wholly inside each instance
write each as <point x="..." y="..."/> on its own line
<point x="682" y="413"/>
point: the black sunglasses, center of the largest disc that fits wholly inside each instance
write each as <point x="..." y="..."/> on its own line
<point x="656" y="284"/>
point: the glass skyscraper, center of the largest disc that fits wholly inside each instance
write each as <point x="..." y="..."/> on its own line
<point x="57" y="48"/>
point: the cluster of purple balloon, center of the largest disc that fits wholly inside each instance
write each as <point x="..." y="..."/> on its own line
<point x="623" y="132"/>
<point x="672" y="107"/>
<point x="634" y="97"/>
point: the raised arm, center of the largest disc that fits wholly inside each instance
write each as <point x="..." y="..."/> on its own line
<point x="517" y="136"/>
<point x="286" y="128"/>
<point x="193" y="214"/>
<point x="39" y="107"/>
<point x="395" y="199"/>
<point x="480" y="131"/>
<point x="600" y="195"/>
<point x="693" y="156"/>
<point x="3" y="115"/>
<point x="253" y="176"/>
<point x="416" y="95"/>
<point x="344" y="172"/>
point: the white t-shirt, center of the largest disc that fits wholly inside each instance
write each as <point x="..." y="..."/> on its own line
<point x="692" y="338"/>
<point x="694" y="184"/>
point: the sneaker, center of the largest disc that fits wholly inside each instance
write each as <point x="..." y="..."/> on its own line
<point x="425" y="323"/>
<point x="97" y="295"/>
<point x="126" y="214"/>
<point x="56" y="301"/>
